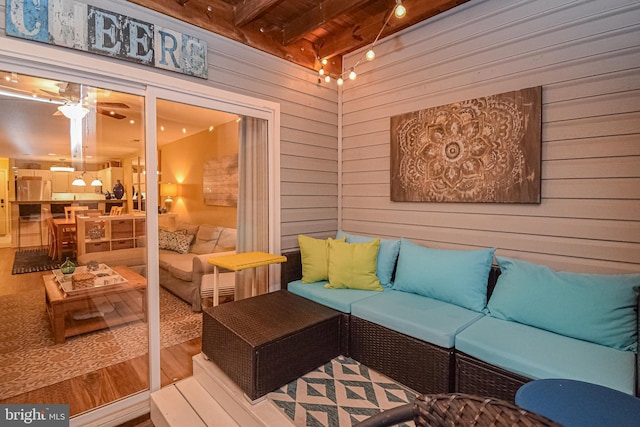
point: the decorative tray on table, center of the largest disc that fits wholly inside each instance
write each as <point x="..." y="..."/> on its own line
<point x="104" y="276"/>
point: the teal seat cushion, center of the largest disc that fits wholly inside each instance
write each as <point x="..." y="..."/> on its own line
<point x="457" y="277"/>
<point x="338" y="299"/>
<point x="537" y="354"/>
<point x="387" y="255"/>
<point x="599" y="308"/>
<point x="426" y="319"/>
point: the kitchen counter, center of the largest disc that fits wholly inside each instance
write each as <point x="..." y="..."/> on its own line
<point x="66" y="202"/>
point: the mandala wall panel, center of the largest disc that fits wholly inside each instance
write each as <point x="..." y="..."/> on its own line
<point x="480" y="150"/>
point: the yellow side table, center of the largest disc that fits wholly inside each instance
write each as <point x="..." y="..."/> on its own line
<point x="243" y="261"/>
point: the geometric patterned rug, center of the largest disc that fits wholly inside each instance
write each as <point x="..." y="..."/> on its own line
<point x="341" y="393"/>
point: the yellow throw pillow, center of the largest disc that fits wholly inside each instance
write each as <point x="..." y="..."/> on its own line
<point x="315" y="258"/>
<point x="353" y="265"/>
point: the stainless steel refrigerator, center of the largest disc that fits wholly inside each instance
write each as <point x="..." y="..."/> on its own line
<point x="33" y="188"/>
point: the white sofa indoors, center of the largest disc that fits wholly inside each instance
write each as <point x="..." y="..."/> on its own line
<point x="184" y="250"/>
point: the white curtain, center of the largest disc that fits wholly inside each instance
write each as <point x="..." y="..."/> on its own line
<point x="253" y="201"/>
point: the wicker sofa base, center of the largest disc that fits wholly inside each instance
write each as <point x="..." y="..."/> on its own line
<point x="264" y="342"/>
<point x="474" y="376"/>
<point x="421" y="366"/>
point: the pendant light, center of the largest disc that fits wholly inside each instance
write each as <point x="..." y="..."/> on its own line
<point x="73" y="111"/>
<point x="79" y="182"/>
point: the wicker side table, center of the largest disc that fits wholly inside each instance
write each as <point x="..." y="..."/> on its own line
<point x="264" y="342"/>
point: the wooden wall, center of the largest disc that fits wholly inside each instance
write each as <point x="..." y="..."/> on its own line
<point x="585" y="55"/>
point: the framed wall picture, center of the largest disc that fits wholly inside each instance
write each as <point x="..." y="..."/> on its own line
<point x="484" y="150"/>
<point x="220" y="181"/>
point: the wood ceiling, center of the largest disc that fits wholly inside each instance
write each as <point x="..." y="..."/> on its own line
<point x="300" y="31"/>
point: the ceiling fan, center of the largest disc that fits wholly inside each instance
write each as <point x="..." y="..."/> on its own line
<point x="73" y="93"/>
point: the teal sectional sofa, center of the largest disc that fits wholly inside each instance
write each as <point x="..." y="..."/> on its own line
<point x="453" y="321"/>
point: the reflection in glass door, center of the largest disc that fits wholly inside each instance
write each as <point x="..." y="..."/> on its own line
<point x="77" y="336"/>
<point x="198" y="193"/>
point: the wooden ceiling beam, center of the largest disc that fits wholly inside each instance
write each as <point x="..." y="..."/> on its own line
<point x="322" y="13"/>
<point x="196" y="12"/>
<point x="220" y="20"/>
<point x="249" y="10"/>
<point x="366" y="32"/>
<point x="241" y="21"/>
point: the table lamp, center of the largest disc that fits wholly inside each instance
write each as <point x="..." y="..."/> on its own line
<point x="168" y="191"/>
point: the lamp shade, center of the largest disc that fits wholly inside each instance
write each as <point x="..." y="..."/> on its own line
<point x="79" y="182"/>
<point x="169" y="190"/>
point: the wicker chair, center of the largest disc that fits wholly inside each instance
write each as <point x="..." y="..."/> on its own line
<point x="456" y="409"/>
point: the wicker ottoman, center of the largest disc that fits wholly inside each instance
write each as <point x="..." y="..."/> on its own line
<point x="264" y="342"/>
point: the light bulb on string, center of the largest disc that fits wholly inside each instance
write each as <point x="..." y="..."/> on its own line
<point x="352" y="74"/>
<point x="371" y="55"/>
<point x="327" y="79"/>
<point x="400" y="11"/>
<point x="339" y="81"/>
<point x="321" y="71"/>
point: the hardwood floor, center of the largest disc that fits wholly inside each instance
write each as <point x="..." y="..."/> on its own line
<point x="106" y="385"/>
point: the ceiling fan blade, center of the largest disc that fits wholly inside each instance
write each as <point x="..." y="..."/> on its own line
<point x="52" y="93"/>
<point x="104" y="104"/>
<point x="111" y="114"/>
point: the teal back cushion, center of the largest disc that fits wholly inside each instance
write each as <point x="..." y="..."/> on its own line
<point x="387" y="255"/>
<point x="456" y="277"/>
<point x="592" y="307"/>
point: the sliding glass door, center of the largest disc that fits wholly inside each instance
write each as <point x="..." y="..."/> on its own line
<point x="74" y="302"/>
<point x="107" y="151"/>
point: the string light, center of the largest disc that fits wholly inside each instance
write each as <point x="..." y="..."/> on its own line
<point x="371" y="55"/>
<point x="399" y="11"/>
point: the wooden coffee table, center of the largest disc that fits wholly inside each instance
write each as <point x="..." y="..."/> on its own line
<point x="72" y="314"/>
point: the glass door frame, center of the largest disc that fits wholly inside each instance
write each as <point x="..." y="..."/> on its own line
<point x="52" y="62"/>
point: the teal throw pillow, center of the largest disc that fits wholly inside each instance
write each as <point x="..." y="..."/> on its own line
<point x="598" y="308"/>
<point x="387" y="256"/>
<point x="456" y="277"/>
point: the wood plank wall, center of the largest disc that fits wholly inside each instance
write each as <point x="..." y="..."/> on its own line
<point x="309" y="121"/>
<point x="585" y="55"/>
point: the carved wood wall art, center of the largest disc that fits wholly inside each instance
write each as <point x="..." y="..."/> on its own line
<point x="480" y="150"/>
